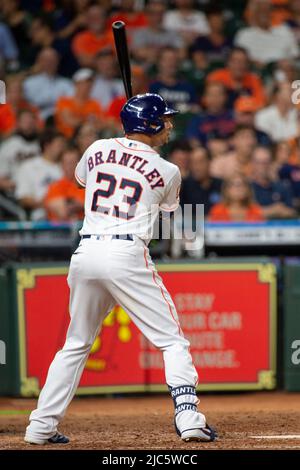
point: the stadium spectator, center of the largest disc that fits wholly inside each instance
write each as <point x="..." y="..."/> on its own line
<point x="35" y="175"/>
<point x="215" y="44"/>
<point x="17" y="19"/>
<point x="8" y="48"/>
<point x="70" y="18"/>
<point x="186" y="21"/>
<point x="43" y="35"/>
<point x="285" y="71"/>
<point x="148" y="41"/>
<point x="275" y="197"/>
<point x="132" y="18"/>
<point x="286" y="151"/>
<point x="279" y="120"/>
<point x="214" y="118"/>
<point x="282" y="153"/>
<point x="244" y="112"/>
<point x="71" y="111"/>
<point x="86" y="44"/>
<point x="177" y="92"/>
<point x="237" y="203"/>
<point x="279" y="11"/>
<point x="294" y="21"/>
<point x="107" y="83"/>
<point x="238" y="79"/>
<point x="287" y="171"/>
<point x="64" y="201"/>
<point x="7" y="120"/>
<point x="266" y="43"/>
<point x="217" y="146"/>
<point x="85" y="135"/>
<point x="195" y="69"/>
<point x="19" y="147"/>
<point x="139" y="85"/>
<point x="238" y="160"/>
<point x="199" y="187"/>
<point x="15" y="104"/>
<point x="49" y="84"/>
<point x="179" y="154"/>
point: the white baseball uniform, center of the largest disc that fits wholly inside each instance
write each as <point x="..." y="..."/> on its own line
<point x="125" y="182"/>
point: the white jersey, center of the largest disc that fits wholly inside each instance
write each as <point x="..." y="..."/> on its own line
<point x="14" y="151"/>
<point x="126" y="183"/>
<point x="33" y="179"/>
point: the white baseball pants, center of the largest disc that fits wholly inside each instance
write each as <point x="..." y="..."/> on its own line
<point x="104" y="272"/>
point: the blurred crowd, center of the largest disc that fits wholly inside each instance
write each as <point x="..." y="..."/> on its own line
<point x="230" y="67"/>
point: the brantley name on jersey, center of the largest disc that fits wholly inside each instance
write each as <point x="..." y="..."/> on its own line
<point x="135" y="162"/>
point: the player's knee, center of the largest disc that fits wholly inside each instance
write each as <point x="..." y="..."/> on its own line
<point x="176" y="345"/>
<point x="78" y="345"/>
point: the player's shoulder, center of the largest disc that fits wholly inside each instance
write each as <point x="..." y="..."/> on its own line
<point x="98" y="145"/>
<point x="170" y="168"/>
<point x="168" y="171"/>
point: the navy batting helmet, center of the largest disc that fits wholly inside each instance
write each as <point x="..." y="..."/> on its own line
<point x="144" y="113"/>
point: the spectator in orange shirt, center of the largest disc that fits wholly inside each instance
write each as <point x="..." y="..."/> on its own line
<point x="279" y="14"/>
<point x="237" y="78"/>
<point x="14" y="105"/>
<point x="133" y="19"/>
<point x="71" y="111"/>
<point x="237" y="203"/>
<point x="7" y="120"/>
<point x="96" y="37"/>
<point x="64" y="201"/>
<point x="244" y="111"/>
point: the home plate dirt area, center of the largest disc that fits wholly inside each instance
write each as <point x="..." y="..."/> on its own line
<point x="263" y="420"/>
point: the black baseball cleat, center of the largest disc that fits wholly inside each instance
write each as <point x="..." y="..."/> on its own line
<point x="56" y="439"/>
<point x="59" y="439"/>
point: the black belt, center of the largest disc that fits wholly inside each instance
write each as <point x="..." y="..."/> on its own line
<point x="128" y="236"/>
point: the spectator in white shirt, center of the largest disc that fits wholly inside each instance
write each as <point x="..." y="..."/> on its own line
<point x="186" y="21"/>
<point x="266" y="43"/>
<point x="21" y="146"/>
<point x="279" y="120"/>
<point x="35" y="175"/>
<point x="107" y="84"/>
<point x="44" y="88"/>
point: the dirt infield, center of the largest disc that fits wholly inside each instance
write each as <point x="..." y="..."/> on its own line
<point x="147" y="422"/>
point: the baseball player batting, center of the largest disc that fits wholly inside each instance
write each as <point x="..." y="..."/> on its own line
<point x="126" y="184"/>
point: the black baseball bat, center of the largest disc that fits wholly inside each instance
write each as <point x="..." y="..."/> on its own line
<point x="119" y="31"/>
